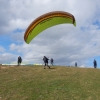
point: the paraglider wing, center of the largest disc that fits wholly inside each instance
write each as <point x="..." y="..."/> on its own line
<point x="45" y="21"/>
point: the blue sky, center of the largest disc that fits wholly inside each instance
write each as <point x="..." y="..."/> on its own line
<point x="65" y="43"/>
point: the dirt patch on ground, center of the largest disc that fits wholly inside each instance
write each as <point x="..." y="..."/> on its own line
<point x="6" y="67"/>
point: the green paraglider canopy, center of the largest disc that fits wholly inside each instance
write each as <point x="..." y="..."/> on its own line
<point x="46" y="21"/>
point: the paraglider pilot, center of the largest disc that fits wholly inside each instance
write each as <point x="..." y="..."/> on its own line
<point x="45" y="59"/>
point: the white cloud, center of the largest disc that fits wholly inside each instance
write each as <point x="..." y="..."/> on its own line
<point x="8" y="58"/>
<point x="2" y="49"/>
<point x="18" y="23"/>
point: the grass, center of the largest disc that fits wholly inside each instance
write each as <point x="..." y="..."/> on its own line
<point x="57" y="83"/>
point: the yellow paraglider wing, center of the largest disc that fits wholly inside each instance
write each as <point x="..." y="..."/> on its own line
<point x="45" y="21"/>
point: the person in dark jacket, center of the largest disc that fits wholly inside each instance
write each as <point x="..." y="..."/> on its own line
<point x="19" y="60"/>
<point x="75" y="64"/>
<point x="51" y="61"/>
<point x="95" y="63"/>
<point x="45" y="59"/>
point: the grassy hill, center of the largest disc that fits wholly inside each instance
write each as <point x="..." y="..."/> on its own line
<point x="57" y="83"/>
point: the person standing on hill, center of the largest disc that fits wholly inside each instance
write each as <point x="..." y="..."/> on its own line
<point x="75" y="64"/>
<point x="45" y="59"/>
<point x="51" y="61"/>
<point x="19" y="60"/>
<point x="95" y="63"/>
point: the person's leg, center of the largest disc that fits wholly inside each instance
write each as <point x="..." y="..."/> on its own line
<point x="52" y="63"/>
<point x="48" y="65"/>
<point x="18" y="62"/>
<point x="44" y="65"/>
